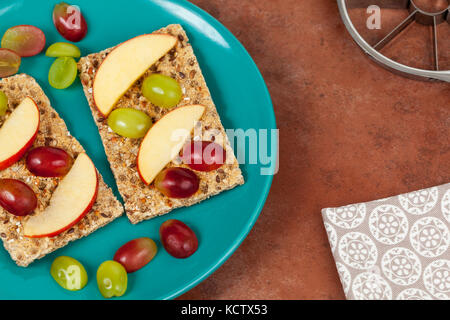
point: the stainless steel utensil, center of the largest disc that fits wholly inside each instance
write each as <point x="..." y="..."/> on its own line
<point x="417" y="14"/>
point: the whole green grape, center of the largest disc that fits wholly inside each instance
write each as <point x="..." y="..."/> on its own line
<point x="62" y="72"/>
<point x="69" y="273"/>
<point x="130" y="123"/>
<point x="162" y="91"/>
<point x="112" y="279"/>
<point x="3" y="103"/>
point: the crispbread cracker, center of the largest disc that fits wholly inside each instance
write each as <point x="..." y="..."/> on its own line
<point x="52" y="132"/>
<point x="145" y="202"/>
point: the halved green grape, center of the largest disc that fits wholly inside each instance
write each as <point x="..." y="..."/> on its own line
<point x="9" y="62"/>
<point x="130" y="123"/>
<point x="63" y="49"/>
<point x="69" y="273"/>
<point x="3" y="103"/>
<point x="112" y="279"/>
<point x="62" y="72"/>
<point x="162" y="91"/>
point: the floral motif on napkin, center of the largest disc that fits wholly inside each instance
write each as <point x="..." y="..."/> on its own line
<point x="393" y="248"/>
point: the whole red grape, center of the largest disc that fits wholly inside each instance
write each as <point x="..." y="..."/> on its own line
<point x="204" y="155"/>
<point x="25" y="40"/>
<point x="49" y="162"/>
<point x="178" y="239"/>
<point x="177" y="182"/>
<point x="69" y="21"/>
<point x="16" y="197"/>
<point x="136" y="253"/>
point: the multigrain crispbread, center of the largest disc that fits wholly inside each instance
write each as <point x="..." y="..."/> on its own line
<point x="52" y="132"/>
<point x="142" y="201"/>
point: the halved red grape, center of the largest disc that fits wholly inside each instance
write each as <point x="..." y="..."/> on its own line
<point x="204" y="155"/>
<point x="49" y="162"/>
<point x="136" y="253"/>
<point x="177" y="182"/>
<point x="69" y="22"/>
<point x="9" y="63"/>
<point x="25" y="40"/>
<point x="178" y="239"/>
<point x="16" y="197"/>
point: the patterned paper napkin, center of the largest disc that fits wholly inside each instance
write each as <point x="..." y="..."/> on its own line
<point x="394" y="248"/>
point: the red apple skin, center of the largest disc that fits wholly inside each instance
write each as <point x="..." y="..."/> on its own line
<point x="95" y="76"/>
<point x="178" y="239"/>
<point x="16" y="157"/>
<point x="10" y="161"/>
<point x="136" y="253"/>
<point x="88" y="208"/>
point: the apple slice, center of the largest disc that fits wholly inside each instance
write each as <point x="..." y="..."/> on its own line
<point x="125" y="64"/>
<point x="165" y="139"/>
<point x="18" y="132"/>
<point x="73" y="198"/>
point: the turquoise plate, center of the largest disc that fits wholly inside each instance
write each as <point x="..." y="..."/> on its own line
<point x="221" y="222"/>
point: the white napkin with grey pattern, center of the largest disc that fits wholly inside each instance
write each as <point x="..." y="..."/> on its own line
<point x="393" y="248"/>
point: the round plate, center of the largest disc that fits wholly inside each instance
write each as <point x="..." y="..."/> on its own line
<point x="221" y="222"/>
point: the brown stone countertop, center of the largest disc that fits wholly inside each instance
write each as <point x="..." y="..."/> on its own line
<point x="358" y="131"/>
